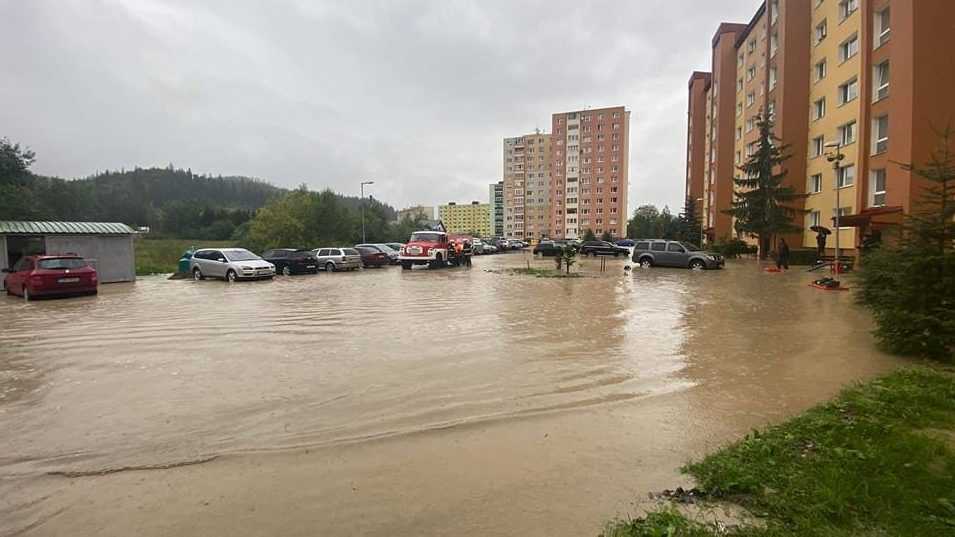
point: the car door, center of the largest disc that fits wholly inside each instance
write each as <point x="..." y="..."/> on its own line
<point x="676" y="255"/>
<point x="217" y="268"/>
<point x="659" y="251"/>
<point x="18" y="275"/>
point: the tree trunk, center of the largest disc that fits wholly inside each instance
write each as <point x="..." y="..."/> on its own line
<point x="764" y="246"/>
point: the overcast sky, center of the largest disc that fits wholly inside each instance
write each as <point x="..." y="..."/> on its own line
<point x="414" y="95"/>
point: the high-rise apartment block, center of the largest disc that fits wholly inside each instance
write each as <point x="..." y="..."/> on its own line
<point x="470" y="218"/>
<point x="866" y="75"/>
<point x="496" y="200"/>
<point x="575" y="179"/>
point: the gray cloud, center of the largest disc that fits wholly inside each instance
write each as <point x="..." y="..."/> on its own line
<point x="416" y="95"/>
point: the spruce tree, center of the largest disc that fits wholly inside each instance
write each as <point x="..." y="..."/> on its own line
<point x="690" y="223"/>
<point x="909" y="282"/>
<point x="763" y="206"/>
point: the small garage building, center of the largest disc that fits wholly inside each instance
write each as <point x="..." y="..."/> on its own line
<point x="107" y="245"/>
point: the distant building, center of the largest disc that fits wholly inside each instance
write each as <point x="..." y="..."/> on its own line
<point x="527" y="186"/>
<point x="473" y="218"/>
<point x="417" y="212"/>
<point x="496" y="199"/>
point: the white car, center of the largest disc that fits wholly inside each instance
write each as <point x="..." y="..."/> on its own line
<point x="230" y="264"/>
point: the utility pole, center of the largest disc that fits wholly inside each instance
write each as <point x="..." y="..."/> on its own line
<point x="362" y="187"/>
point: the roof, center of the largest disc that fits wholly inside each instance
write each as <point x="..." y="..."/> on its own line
<point x="12" y="227"/>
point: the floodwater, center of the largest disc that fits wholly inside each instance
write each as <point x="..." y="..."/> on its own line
<point x="392" y="403"/>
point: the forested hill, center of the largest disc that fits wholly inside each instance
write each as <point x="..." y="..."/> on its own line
<point x="171" y="202"/>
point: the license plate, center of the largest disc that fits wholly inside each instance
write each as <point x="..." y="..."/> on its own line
<point x="310" y="266"/>
<point x="68" y="280"/>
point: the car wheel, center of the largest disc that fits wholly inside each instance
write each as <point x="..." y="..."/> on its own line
<point x="329" y="267"/>
<point x="230" y="276"/>
<point x="696" y="264"/>
<point x="197" y="274"/>
<point x="646" y="262"/>
<point x="286" y="271"/>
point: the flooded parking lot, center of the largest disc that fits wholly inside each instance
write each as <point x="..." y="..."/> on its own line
<point x="389" y="402"/>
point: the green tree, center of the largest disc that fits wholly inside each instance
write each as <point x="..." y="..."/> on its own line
<point x="762" y="203"/>
<point x="569" y="255"/>
<point x="589" y="235"/>
<point x="909" y="283"/>
<point x="690" y="223"/>
<point x="17" y="201"/>
<point x="606" y="236"/>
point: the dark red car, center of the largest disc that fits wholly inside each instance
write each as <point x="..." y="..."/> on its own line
<point x="51" y="275"/>
<point x="371" y="257"/>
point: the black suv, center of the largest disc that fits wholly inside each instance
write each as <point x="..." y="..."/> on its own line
<point x="596" y="248"/>
<point x="289" y="261"/>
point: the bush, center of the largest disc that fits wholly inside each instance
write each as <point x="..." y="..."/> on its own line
<point x="733" y="248"/>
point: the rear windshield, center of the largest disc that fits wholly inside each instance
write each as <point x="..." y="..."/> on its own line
<point x="426" y="237"/>
<point x="350" y="251"/>
<point x="62" y="263"/>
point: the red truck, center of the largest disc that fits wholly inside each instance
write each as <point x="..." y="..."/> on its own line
<point x="432" y="248"/>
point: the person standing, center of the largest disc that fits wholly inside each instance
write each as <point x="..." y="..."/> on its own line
<point x="820" y="244"/>
<point x="782" y="255"/>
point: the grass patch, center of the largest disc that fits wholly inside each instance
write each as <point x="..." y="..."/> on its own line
<point x="161" y="256"/>
<point x="878" y="460"/>
<point x="543" y="273"/>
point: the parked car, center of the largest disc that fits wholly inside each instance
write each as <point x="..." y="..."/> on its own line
<point x="290" y="261"/>
<point x="626" y="243"/>
<point x="335" y="259"/>
<point x="230" y="264"/>
<point x="490" y="248"/>
<point x="502" y="245"/>
<point x="371" y="257"/>
<point x="515" y="244"/>
<point x="596" y="248"/>
<point x="383" y="248"/>
<point x="479" y="247"/>
<point x="664" y="253"/>
<point x="548" y="248"/>
<point x="51" y="275"/>
<point x="396" y="246"/>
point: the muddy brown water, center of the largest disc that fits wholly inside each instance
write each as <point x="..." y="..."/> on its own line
<point x="400" y="403"/>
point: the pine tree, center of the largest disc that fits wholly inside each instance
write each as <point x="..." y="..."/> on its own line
<point x="762" y="204"/>
<point x="690" y="223"/>
<point x="910" y="284"/>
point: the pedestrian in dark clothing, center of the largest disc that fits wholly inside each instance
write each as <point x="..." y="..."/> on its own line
<point x="782" y="255"/>
<point x="820" y="244"/>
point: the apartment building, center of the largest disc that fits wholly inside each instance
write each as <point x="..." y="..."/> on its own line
<point x="526" y="184"/>
<point x="417" y="212"/>
<point x="473" y="218"/>
<point x="590" y="171"/>
<point x="496" y="201"/>
<point x="823" y="69"/>
<point x="696" y="135"/>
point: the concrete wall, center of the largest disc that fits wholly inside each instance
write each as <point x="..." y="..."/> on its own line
<point x="113" y="256"/>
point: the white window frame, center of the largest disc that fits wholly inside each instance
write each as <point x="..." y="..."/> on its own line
<point x="821" y="69"/>
<point x="821" y="31"/>
<point x="819" y="109"/>
<point x="815" y="183"/>
<point x="850" y="128"/>
<point x="876" y="196"/>
<point x="849" y="48"/>
<point x="846" y="95"/>
<point x="880" y="90"/>
<point x="881" y="32"/>
<point x="880" y="144"/>
<point x="846" y="176"/>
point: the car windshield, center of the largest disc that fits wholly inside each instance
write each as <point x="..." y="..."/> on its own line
<point x="240" y="255"/>
<point x="385" y="248"/>
<point x="426" y="237"/>
<point x="350" y="251"/>
<point x="690" y="247"/>
<point x="61" y="263"/>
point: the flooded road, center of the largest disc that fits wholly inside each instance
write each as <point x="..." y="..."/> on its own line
<point x="389" y="402"/>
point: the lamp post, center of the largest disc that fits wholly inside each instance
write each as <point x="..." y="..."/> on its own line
<point x="835" y="156"/>
<point x="362" y="187"/>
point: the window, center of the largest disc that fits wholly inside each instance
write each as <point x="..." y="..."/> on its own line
<point x="773" y="44"/>
<point x="849" y="48"/>
<point x="750" y="124"/>
<point x="739" y="132"/>
<point x="821" y="70"/>
<point x="812" y="219"/>
<point x="819" y="109"/>
<point x="881" y="23"/>
<point x="771" y="110"/>
<point x="751" y="46"/>
<point x="847" y="133"/>
<point x="877" y="188"/>
<point x="822" y="31"/>
<point x="772" y="77"/>
<point x="846" y="176"/>
<point x="847" y="7"/>
<point x="773" y="11"/>
<point x="642" y="246"/>
<point x="751" y="72"/>
<point x="818" y="146"/>
<point x="848" y="91"/>
<point x="880" y="81"/>
<point x="750" y="99"/>
<point x="815" y="183"/>
<point x="739" y="109"/>
<point x="675" y="248"/>
<point x="659" y="247"/>
<point x="880" y="135"/>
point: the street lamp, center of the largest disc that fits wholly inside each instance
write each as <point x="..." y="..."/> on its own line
<point x="835" y="156"/>
<point x="362" y="187"/>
